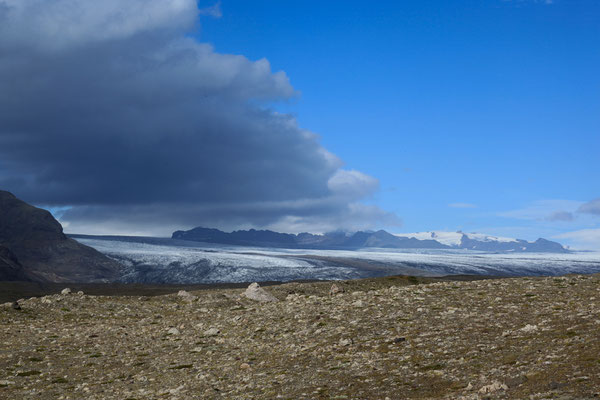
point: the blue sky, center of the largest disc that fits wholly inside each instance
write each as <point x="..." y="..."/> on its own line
<point x="493" y="104"/>
<point x="150" y="116"/>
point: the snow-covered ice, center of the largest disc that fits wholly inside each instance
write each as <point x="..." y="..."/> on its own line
<point x="165" y="260"/>
<point x="454" y="238"/>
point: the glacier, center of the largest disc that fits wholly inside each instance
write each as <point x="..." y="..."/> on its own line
<point x="161" y="260"/>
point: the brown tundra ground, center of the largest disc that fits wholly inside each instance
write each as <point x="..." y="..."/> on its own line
<point x="394" y="338"/>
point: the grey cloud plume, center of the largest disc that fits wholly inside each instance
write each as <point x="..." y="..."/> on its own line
<point x="108" y="106"/>
<point x="560" y="216"/>
<point x="591" y="207"/>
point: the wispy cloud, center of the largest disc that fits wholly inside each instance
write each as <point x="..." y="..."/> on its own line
<point x="591" y="207"/>
<point x="560" y="216"/>
<point x="584" y="239"/>
<point x="212" y="11"/>
<point x="544" y="210"/>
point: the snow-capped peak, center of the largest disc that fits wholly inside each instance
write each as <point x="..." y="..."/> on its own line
<point x="454" y="238"/>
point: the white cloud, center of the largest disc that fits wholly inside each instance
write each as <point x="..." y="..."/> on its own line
<point x="584" y="239"/>
<point x="355" y="216"/>
<point x="352" y="184"/>
<point x="56" y="24"/>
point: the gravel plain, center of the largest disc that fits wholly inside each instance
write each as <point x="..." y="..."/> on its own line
<point x="384" y="338"/>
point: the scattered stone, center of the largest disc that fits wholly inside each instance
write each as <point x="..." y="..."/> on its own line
<point x="556" y="385"/>
<point x="358" y="303"/>
<point x="176" y="390"/>
<point x="494" y="387"/>
<point x="65" y="291"/>
<point x="80" y="293"/>
<point x="173" y="331"/>
<point x="211" y="332"/>
<point x="255" y="292"/>
<point x="335" y="289"/>
<point x="312" y="345"/>
<point x="529" y="328"/>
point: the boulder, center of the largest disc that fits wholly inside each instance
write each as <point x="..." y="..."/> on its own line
<point x="255" y="292"/>
<point x="211" y="332"/>
<point x="185" y="295"/>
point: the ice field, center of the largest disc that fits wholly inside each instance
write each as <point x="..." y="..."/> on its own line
<point x="154" y="260"/>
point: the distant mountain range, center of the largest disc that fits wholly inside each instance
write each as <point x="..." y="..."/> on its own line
<point x="365" y="239"/>
<point x="489" y="243"/>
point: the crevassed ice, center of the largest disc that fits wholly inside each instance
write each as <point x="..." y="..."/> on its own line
<point x="209" y="263"/>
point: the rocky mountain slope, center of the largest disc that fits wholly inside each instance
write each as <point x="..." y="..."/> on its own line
<point x="10" y="268"/>
<point x="37" y="249"/>
<point x="333" y="240"/>
<point x="385" y="338"/>
<point x="363" y="239"/>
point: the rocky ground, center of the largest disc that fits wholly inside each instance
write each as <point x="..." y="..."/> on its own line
<point x="383" y="338"/>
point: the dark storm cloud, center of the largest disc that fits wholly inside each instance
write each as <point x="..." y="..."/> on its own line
<point x="318" y="215"/>
<point x="110" y="108"/>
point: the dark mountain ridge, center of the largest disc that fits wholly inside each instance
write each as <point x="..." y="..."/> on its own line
<point x="360" y="239"/>
<point x="334" y="240"/>
<point x="34" y="247"/>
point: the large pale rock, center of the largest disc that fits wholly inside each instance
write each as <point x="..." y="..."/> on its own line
<point x="185" y="295"/>
<point x="173" y="331"/>
<point x="211" y="332"/>
<point x="255" y="292"/>
<point x="529" y="328"/>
